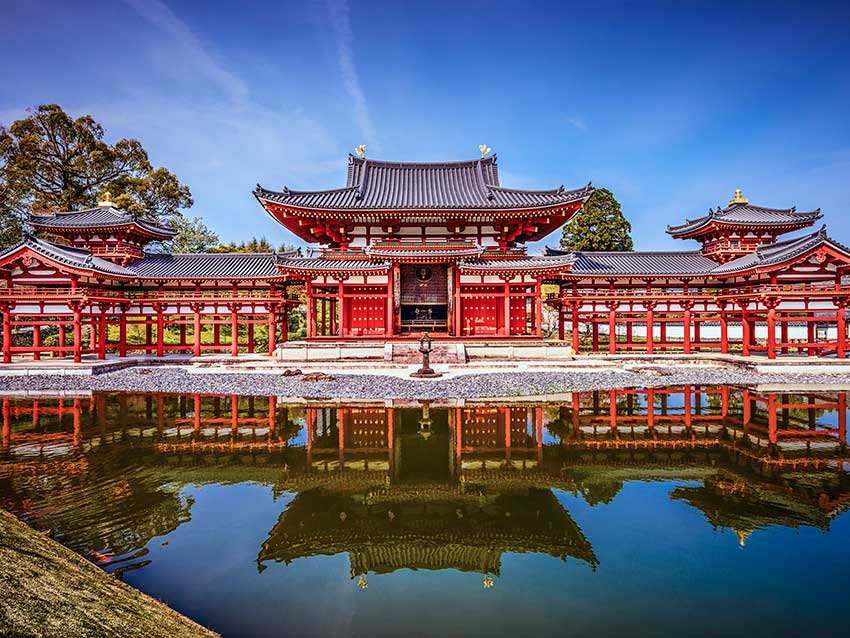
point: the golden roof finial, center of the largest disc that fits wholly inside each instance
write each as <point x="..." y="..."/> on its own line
<point x="484" y="149"/>
<point x="739" y="198"/>
<point x="107" y="199"/>
<point x="360" y="150"/>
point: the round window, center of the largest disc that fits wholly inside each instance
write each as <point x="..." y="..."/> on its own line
<point x="423" y="273"/>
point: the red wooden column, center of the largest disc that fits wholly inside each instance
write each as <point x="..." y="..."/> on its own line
<point x="196" y="332"/>
<point x="389" y="314"/>
<point x="724" y="329"/>
<point x="311" y="310"/>
<point x="686" y="327"/>
<point x="7" y="332"/>
<point x="538" y="308"/>
<point x="458" y="308"/>
<point x="574" y="308"/>
<point x="810" y="333"/>
<point x="771" y="304"/>
<point x="160" y="329"/>
<point x="662" y="332"/>
<point x="746" y="338"/>
<point x="234" y="328"/>
<point x="650" y="319"/>
<point x="272" y="309"/>
<point x="76" y="307"/>
<point x="841" y="325"/>
<point x="101" y="332"/>
<point x="612" y="327"/>
<point x="36" y="341"/>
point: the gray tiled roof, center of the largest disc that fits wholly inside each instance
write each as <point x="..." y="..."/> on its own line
<point x="449" y="253"/>
<point x="100" y="217"/>
<point x="747" y="215"/>
<point x="190" y="266"/>
<point x="537" y="263"/>
<point x="636" y="263"/>
<point x="75" y="257"/>
<point x="318" y="264"/>
<point x="379" y="185"/>
<point x="641" y="263"/>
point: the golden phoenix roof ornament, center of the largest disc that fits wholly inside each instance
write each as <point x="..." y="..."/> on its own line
<point x="484" y="149"/>
<point x="360" y="150"/>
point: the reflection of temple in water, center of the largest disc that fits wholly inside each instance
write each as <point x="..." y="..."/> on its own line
<point x="407" y="485"/>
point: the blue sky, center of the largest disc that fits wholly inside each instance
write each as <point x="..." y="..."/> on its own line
<point x="671" y="105"/>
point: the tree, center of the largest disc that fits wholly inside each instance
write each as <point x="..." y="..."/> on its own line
<point x="600" y="225"/>
<point x="193" y="236"/>
<point x="51" y="161"/>
<point x="262" y="245"/>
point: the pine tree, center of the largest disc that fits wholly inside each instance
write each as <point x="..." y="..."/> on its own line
<point x="600" y="225"/>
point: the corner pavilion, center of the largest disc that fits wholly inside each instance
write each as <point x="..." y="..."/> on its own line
<point x="405" y="248"/>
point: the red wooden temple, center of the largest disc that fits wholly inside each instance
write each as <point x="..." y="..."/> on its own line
<point x="405" y="248"/>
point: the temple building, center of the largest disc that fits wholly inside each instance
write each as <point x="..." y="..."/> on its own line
<point x="405" y="248"/>
<point x="410" y="247"/>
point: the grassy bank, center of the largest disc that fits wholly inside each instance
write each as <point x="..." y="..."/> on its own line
<point x="48" y="590"/>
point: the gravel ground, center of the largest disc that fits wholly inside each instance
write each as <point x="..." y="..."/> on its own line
<point x="469" y="386"/>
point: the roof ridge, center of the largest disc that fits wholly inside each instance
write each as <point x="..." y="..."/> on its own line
<point x="399" y="164"/>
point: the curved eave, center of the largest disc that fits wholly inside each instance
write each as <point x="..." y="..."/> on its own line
<point x="395" y="211"/>
<point x="136" y="229"/>
<point x="22" y="250"/>
<point x="685" y="231"/>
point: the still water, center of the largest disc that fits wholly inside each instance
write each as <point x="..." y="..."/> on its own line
<point x="711" y="511"/>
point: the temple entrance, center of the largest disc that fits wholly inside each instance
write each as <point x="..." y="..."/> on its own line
<point x="424" y="298"/>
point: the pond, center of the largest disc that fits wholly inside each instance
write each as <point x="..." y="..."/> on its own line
<point x="698" y="510"/>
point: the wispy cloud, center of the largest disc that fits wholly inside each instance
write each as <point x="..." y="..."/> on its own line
<point x="191" y="48"/>
<point x="341" y="24"/>
<point x="576" y="121"/>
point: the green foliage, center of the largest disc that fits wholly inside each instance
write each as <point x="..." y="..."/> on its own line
<point x="262" y="245"/>
<point x="50" y="161"/>
<point x="193" y="236"/>
<point x="600" y="225"/>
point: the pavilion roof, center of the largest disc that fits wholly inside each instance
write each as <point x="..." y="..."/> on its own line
<point x="746" y="215"/>
<point x="379" y="185"/>
<point x="77" y="258"/>
<point x="99" y="217"/>
<point x="780" y="252"/>
<point x="189" y="266"/>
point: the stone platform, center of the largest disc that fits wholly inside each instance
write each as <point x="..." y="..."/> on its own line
<point x="397" y="358"/>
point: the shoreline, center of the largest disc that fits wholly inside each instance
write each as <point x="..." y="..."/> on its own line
<point x="50" y="590"/>
<point x="478" y="384"/>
